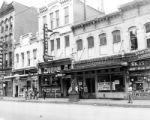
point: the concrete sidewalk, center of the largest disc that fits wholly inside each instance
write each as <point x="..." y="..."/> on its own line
<point x="95" y="102"/>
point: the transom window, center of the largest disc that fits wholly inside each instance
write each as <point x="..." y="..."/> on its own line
<point x="116" y="36"/>
<point x="102" y="38"/>
<point x="90" y="42"/>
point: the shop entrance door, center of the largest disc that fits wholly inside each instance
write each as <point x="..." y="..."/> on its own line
<point x="66" y="87"/>
<point x="16" y="93"/>
<point x="90" y="82"/>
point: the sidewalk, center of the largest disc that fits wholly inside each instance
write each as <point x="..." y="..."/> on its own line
<point x="95" y="102"/>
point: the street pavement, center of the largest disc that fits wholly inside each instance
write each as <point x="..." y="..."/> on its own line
<point x="35" y="111"/>
<point x="95" y="102"/>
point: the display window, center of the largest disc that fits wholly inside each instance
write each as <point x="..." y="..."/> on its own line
<point x="111" y="83"/>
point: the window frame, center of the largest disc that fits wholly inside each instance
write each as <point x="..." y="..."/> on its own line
<point x="102" y="40"/>
<point x="116" y="35"/>
<point x="79" y="46"/>
<point x="67" y="41"/>
<point x="66" y="15"/>
<point x="90" y="44"/>
<point x="34" y="54"/>
<point x="52" y="46"/>
<point x="147" y="27"/>
<point x="58" y="45"/>
<point x="52" y="20"/>
<point x="57" y="18"/>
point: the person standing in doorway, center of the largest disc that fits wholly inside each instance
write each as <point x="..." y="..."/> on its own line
<point x="44" y="93"/>
<point x="130" y="97"/>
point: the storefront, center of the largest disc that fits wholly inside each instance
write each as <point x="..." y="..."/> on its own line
<point x="8" y="86"/>
<point x="102" y="77"/>
<point x="140" y="78"/>
<point x="26" y="78"/>
<point x="53" y="79"/>
<point x="139" y="73"/>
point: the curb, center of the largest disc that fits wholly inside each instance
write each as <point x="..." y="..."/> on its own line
<point x="81" y="103"/>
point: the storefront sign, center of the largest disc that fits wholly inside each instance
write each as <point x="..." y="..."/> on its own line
<point x="141" y="94"/>
<point x="139" y="65"/>
<point x="104" y="86"/>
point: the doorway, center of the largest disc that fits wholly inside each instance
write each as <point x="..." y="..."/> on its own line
<point x="66" y="86"/>
<point x="90" y="82"/>
<point x="16" y="91"/>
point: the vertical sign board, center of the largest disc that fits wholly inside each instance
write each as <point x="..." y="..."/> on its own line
<point x="45" y="39"/>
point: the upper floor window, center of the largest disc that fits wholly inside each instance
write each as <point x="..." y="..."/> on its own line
<point x="116" y="36"/>
<point x="28" y="57"/>
<point x="90" y="42"/>
<point x="147" y="27"/>
<point x="133" y="38"/>
<point x="35" y="54"/>
<point x="52" y="45"/>
<point x="79" y="45"/>
<point x="17" y="58"/>
<point x="58" y="43"/>
<point x="44" y="19"/>
<point x="51" y="20"/>
<point x="57" y="18"/>
<point x="22" y="56"/>
<point x="67" y="41"/>
<point x="103" y="40"/>
<point x="10" y="59"/>
<point x="66" y="9"/>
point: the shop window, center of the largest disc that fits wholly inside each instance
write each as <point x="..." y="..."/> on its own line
<point x="103" y="40"/>
<point x="118" y="83"/>
<point x="79" y="45"/>
<point x="116" y="36"/>
<point x="90" y="42"/>
<point x="133" y="38"/>
<point x="104" y="84"/>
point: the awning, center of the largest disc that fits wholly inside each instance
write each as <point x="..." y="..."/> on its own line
<point x="15" y="76"/>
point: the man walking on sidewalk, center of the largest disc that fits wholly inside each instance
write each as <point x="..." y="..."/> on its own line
<point x="130" y="99"/>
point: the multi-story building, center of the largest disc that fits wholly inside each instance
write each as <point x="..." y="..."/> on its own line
<point x="15" y="20"/>
<point x="58" y="17"/>
<point x="27" y="54"/>
<point x="112" y="52"/>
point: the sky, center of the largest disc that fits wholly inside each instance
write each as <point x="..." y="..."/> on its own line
<point x="109" y="5"/>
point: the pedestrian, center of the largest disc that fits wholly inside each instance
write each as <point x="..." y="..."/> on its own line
<point x="25" y="93"/>
<point x="44" y="94"/>
<point x="130" y="97"/>
<point x="35" y="93"/>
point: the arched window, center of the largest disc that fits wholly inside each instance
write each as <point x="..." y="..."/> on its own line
<point x="116" y="36"/>
<point x="90" y="42"/>
<point x="103" y="40"/>
<point x="79" y="45"/>
<point x="133" y="38"/>
<point x="147" y="27"/>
